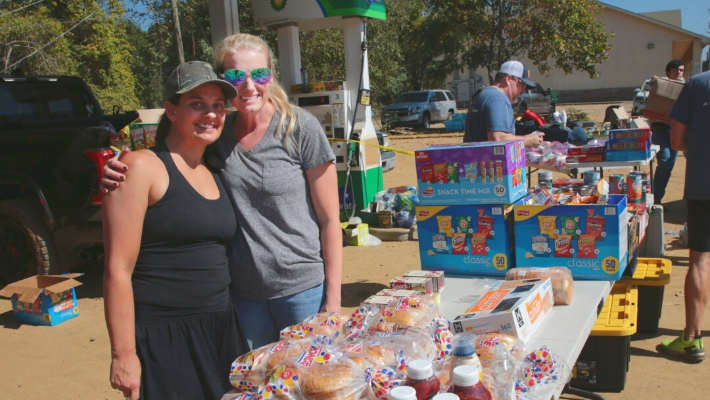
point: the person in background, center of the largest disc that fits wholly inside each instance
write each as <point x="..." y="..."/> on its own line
<point x="666" y="155"/>
<point x="690" y="132"/>
<point x="277" y="164"/>
<point x="491" y="117"/>
<point x="174" y="332"/>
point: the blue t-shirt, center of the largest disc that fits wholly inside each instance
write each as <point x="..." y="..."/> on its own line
<point x="693" y="109"/>
<point x="490" y="112"/>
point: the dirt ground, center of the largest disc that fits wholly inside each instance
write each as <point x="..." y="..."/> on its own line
<point x="71" y="360"/>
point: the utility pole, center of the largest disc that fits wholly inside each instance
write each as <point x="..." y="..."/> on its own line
<point x="178" y="34"/>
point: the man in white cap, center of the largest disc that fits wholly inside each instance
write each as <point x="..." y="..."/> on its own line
<point x="491" y="117"/>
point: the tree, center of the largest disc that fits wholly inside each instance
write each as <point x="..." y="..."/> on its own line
<point x="486" y="33"/>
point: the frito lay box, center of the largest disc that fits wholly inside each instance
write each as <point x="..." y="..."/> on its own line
<point x="422" y="285"/>
<point x="399" y="293"/>
<point x="437" y="278"/>
<point x="43" y="299"/>
<point x="467" y="239"/>
<point x="471" y="173"/>
<point x="516" y="307"/>
<point x="589" y="239"/>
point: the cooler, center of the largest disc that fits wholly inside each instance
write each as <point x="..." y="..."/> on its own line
<point x="604" y="360"/>
<point x="651" y="276"/>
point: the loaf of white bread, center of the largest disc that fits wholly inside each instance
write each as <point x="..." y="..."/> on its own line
<point x="561" y="277"/>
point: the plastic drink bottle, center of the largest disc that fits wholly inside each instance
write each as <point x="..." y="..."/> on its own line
<point x="420" y="376"/>
<point x="445" y="396"/>
<point x="502" y="371"/>
<point x="402" y="393"/>
<point x="467" y="384"/>
<point x="464" y="353"/>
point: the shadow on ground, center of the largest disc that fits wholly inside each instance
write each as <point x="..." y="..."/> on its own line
<point x="355" y="293"/>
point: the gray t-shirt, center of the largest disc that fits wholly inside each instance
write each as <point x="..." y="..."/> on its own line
<point x="490" y="112"/>
<point x="693" y="109"/>
<point x="277" y="250"/>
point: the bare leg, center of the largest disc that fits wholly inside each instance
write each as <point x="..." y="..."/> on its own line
<point x="697" y="282"/>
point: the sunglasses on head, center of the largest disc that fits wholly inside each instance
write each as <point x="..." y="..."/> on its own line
<point x="237" y="77"/>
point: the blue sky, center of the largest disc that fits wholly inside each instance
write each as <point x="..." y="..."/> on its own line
<point x="694" y="13"/>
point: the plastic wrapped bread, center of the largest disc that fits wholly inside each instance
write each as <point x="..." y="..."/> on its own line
<point x="561" y="277"/>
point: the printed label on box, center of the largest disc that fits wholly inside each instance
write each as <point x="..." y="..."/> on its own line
<point x="591" y="240"/>
<point x="471" y="173"/>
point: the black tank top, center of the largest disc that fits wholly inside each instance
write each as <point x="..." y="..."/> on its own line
<point x="182" y="266"/>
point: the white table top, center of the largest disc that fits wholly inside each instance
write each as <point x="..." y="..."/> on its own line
<point x="566" y="328"/>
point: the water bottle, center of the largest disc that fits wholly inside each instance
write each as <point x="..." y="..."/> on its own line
<point x="502" y="371"/>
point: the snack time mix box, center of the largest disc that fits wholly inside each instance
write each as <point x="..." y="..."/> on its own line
<point x="466" y="239"/>
<point x="589" y="239"/>
<point x="471" y="173"/>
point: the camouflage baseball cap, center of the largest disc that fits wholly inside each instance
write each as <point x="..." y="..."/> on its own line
<point x="190" y="75"/>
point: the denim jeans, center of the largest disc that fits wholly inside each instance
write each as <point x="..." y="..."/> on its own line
<point x="665" y="159"/>
<point x="263" y="320"/>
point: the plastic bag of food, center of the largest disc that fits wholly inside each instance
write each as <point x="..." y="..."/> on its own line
<point x="561" y="277"/>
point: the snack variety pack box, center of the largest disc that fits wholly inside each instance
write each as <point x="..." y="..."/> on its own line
<point x="466" y="239"/>
<point x="43" y="299"/>
<point x="589" y="239"/>
<point x="471" y="173"/>
<point x="516" y="307"/>
<point x="661" y="99"/>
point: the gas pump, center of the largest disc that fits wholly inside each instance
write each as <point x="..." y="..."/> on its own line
<point x="341" y="107"/>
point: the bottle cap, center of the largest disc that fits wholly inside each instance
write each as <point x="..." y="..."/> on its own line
<point x="419" y="369"/>
<point x="402" y="393"/>
<point x="446" y="396"/>
<point x="500" y="351"/>
<point x="466" y="375"/>
<point x="464" y="348"/>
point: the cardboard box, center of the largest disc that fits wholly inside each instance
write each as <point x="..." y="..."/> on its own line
<point x="471" y="173"/>
<point x="422" y="285"/>
<point x="585" y="158"/>
<point x="591" y="240"/>
<point x="627" y="134"/>
<point x="661" y="98"/>
<point x="484" y="248"/>
<point x="355" y="234"/>
<point x="137" y="136"/>
<point x="628" y="155"/>
<point x="585" y="150"/>
<point x="43" y="299"/>
<point x="515" y="307"/>
<point x="628" y="144"/>
<point x="437" y="278"/>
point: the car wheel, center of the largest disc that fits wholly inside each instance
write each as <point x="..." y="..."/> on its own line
<point x="426" y="121"/>
<point x="26" y="247"/>
<point x="450" y="116"/>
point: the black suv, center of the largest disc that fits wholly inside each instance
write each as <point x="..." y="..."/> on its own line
<point x="54" y="140"/>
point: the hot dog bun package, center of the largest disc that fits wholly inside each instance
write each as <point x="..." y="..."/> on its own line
<point x="562" y="282"/>
<point x="517" y="308"/>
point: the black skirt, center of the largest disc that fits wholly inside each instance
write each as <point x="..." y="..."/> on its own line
<point x="189" y="358"/>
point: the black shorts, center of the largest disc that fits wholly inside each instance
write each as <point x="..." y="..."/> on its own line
<point x="699" y="225"/>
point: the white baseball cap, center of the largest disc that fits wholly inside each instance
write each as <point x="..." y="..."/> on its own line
<point x="518" y="70"/>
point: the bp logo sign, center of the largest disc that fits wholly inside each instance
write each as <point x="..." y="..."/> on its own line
<point x="278" y="5"/>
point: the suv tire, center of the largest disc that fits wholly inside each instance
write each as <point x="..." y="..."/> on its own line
<point x="26" y="246"/>
<point x="426" y="121"/>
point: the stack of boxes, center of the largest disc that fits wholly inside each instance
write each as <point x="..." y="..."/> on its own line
<point x="466" y="196"/>
<point x="629" y="144"/>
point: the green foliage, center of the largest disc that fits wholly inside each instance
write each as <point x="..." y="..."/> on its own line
<point x="576" y="114"/>
<point x="486" y="33"/>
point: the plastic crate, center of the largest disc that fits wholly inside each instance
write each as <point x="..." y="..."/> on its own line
<point x="651" y="276"/>
<point x="604" y="361"/>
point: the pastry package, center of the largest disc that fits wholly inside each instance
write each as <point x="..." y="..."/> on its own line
<point x="561" y="277"/>
<point x="321" y="324"/>
<point x="321" y="374"/>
